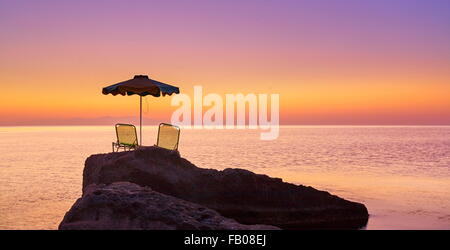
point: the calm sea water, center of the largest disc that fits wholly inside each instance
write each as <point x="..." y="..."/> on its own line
<point x="402" y="174"/>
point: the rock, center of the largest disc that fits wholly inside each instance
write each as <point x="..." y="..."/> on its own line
<point x="127" y="206"/>
<point x="247" y="197"/>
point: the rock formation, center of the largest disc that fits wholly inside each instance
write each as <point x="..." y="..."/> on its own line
<point x="124" y="205"/>
<point x="239" y="194"/>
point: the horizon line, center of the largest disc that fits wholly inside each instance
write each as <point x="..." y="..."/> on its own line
<point x="281" y="125"/>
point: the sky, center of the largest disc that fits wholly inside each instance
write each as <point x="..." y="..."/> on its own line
<point x="333" y="62"/>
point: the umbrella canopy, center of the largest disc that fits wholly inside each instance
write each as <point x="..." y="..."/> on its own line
<point x="141" y="85"/>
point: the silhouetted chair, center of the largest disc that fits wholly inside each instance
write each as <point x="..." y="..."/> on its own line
<point x="126" y="138"/>
<point x="168" y="136"/>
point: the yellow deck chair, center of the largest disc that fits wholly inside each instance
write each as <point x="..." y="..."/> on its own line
<point x="126" y="137"/>
<point x="168" y="136"/>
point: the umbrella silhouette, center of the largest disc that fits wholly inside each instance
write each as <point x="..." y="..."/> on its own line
<point x="141" y="85"/>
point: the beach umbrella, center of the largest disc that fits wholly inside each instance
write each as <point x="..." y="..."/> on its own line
<point x="141" y="85"/>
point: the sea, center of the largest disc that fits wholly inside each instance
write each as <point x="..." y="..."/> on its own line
<point x="401" y="173"/>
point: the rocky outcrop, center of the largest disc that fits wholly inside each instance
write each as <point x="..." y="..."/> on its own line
<point x="239" y="194"/>
<point x="125" y="205"/>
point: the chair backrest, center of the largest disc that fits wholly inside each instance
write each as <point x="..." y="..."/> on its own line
<point x="168" y="136"/>
<point x="126" y="134"/>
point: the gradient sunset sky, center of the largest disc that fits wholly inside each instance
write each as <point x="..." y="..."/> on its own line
<point x="332" y="62"/>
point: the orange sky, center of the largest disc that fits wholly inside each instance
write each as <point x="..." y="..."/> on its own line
<point x="56" y="58"/>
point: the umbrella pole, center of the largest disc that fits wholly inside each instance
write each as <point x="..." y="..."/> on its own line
<point x="140" y="120"/>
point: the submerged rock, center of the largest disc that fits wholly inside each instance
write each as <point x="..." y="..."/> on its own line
<point x="124" y="205"/>
<point x="247" y="197"/>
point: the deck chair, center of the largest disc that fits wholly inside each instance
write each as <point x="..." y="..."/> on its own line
<point x="168" y="136"/>
<point x="126" y="137"/>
